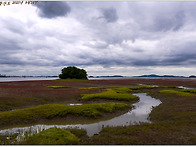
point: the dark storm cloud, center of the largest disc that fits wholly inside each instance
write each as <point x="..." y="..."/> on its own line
<point x="110" y="15"/>
<point x="53" y="9"/>
<point x="179" y="59"/>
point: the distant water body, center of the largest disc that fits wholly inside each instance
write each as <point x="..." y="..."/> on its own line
<point x="9" y="79"/>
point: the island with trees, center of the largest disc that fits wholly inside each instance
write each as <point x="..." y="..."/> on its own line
<point x="72" y="72"/>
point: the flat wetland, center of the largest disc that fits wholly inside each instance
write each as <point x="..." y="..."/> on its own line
<point x="51" y="102"/>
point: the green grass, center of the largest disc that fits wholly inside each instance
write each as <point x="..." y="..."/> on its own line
<point x="9" y="104"/>
<point x="89" y="88"/>
<point x="52" y="136"/>
<point x="58" y="87"/>
<point x="189" y="90"/>
<point x="51" y="111"/>
<point x="123" y="89"/>
<point x="180" y="93"/>
<point x="111" y="94"/>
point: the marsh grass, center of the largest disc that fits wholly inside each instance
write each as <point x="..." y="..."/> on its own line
<point x="173" y="123"/>
<point x="58" y="87"/>
<point x="89" y="88"/>
<point x="120" y="94"/>
<point x="6" y="105"/>
<point x="162" y="133"/>
<point x="180" y="93"/>
<point x="116" y="93"/>
<point x="189" y="90"/>
<point x="52" y="136"/>
<point x="80" y="133"/>
<point x="51" y="111"/>
<point x="167" y="86"/>
<point x="123" y="89"/>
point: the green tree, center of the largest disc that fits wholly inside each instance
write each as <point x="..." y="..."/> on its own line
<point x="72" y="72"/>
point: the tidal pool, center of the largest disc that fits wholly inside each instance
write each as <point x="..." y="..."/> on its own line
<point x="148" y="85"/>
<point x="138" y="114"/>
<point x="182" y="87"/>
<point x="74" y="104"/>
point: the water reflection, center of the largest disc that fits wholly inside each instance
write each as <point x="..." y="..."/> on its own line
<point x="182" y="87"/>
<point x="139" y="114"/>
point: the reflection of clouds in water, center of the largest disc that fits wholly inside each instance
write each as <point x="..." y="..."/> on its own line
<point x="139" y="114"/>
<point x="182" y="87"/>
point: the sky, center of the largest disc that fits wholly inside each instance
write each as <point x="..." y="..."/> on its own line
<point x="105" y="38"/>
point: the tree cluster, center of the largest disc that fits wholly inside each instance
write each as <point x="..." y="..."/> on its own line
<point x="73" y="72"/>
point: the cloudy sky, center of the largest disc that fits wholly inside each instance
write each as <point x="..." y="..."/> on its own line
<point x="105" y="38"/>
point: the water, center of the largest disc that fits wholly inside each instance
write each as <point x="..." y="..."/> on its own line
<point x="9" y="79"/>
<point x="148" y="85"/>
<point x="74" y="104"/>
<point x="182" y="87"/>
<point x="138" y="114"/>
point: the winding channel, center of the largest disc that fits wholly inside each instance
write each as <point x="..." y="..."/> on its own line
<point x="138" y="114"/>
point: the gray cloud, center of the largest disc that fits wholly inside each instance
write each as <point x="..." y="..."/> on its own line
<point x="161" y="16"/>
<point x="140" y="35"/>
<point x="110" y="14"/>
<point x="53" y="9"/>
<point x="165" y="23"/>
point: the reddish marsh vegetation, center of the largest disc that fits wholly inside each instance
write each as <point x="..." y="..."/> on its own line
<point x="22" y="94"/>
<point x="173" y="121"/>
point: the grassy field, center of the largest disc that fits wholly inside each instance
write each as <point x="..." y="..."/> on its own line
<point x="173" y="122"/>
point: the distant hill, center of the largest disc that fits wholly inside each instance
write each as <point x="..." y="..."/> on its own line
<point x="192" y="76"/>
<point x="2" y="75"/>
<point x="144" y="76"/>
<point x="158" y="76"/>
